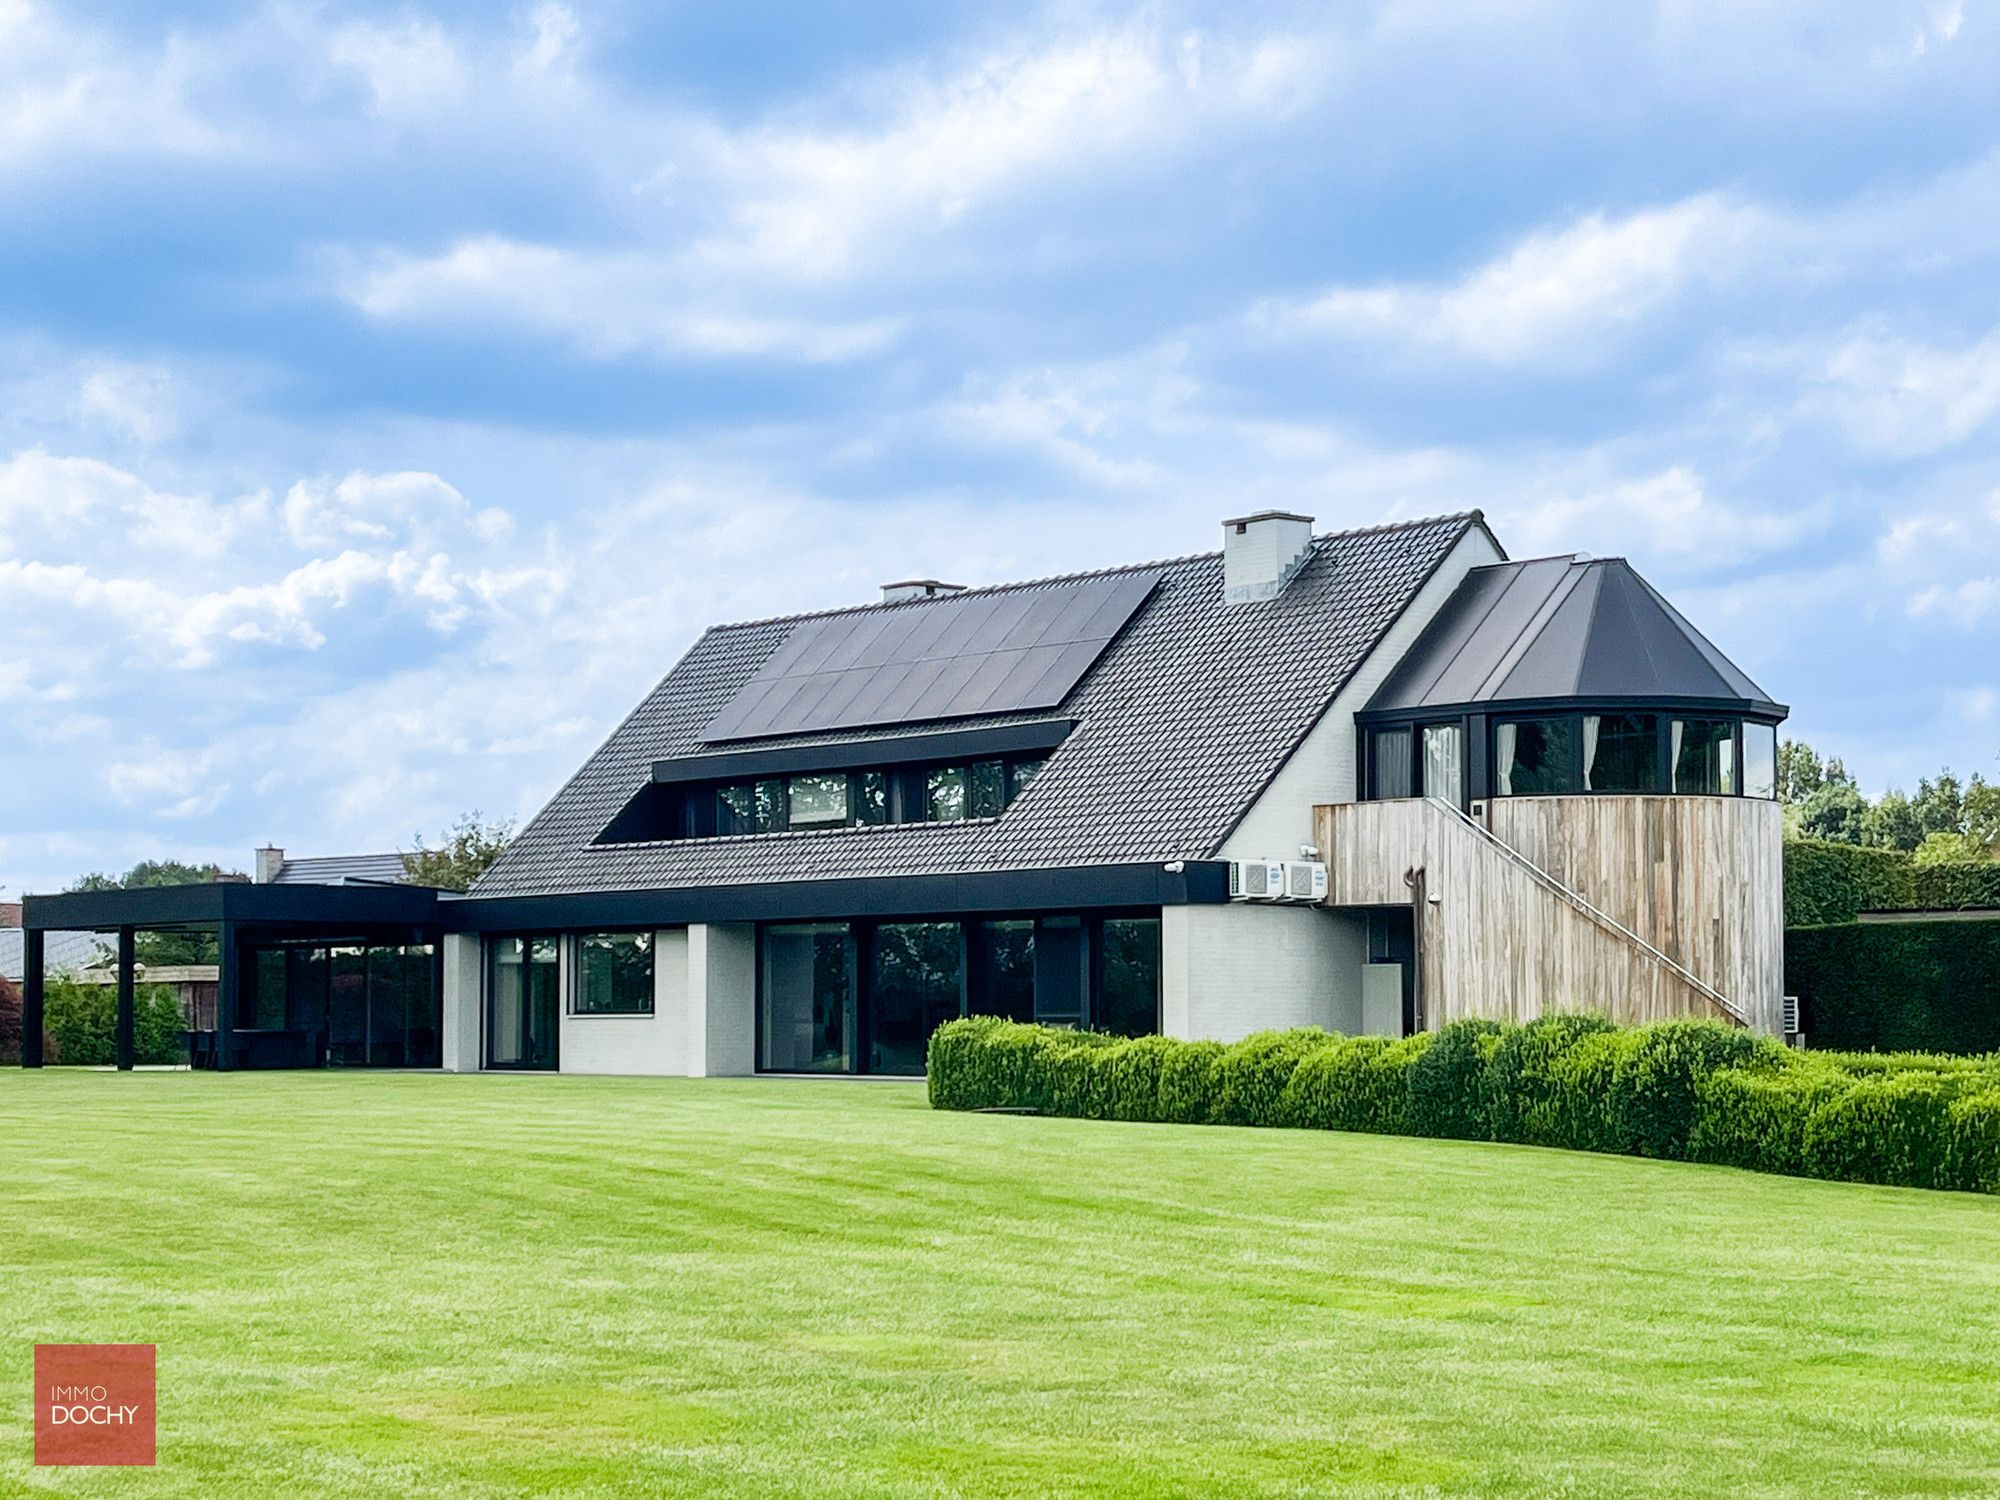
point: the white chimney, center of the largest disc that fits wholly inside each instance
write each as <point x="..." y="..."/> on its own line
<point x="269" y="862"/>
<point x="918" y="588"/>
<point x="1263" y="553"/>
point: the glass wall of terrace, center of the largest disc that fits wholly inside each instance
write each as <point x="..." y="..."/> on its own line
<point x="306" y="975"/>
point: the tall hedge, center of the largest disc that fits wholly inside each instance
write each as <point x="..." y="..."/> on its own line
<point x="1898" y="986"/>
<point x="1831" y="883"/>
<point x="1692" y="1090"/>
<point x="81" y="1024"/>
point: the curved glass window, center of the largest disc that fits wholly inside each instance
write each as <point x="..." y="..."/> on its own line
<point x="1760" y="760"/>
<point x="1703" y="755"/>
<point x="1535" y="758"/>
<point x="1621" y="753"/>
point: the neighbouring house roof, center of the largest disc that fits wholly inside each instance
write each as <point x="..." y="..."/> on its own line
<point x="10" y="914"/>
<point x="1180" y="723"/>
<point x="62" y="952"/>
<point x="343" y="869"/>
<point x="1562" y="627"/>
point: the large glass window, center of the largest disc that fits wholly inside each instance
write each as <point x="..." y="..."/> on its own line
<point x="1128" y="995"/>
<point x="1444" y="762"/>
<point x="614" y="974"/>
<point x="523" y="984"/>
<point x="1393" y="776"/>
<point x="819" y="800"/>
<point x="871" y="797"/>
<point x="1760" y="760"/>
<point x="1621" y="753"/>
<point x="1021" y="774"/>
<point x="914" y="988"/>
<point x="1704" y="757"/>
<point x="1535" y="758"/>
<point x="808" y="990"/>
<point x="944" y="794"/>
<point x="987" y="789"/>
<point x="1003" y="970"/>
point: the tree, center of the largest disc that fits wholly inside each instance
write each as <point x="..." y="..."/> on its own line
<point x="1801" y="772"/>
<point x="1834" y="810"/>
<point x="466" y="853"/>
<point x="1951" y="849"/>
<point x="10" y="1023"/>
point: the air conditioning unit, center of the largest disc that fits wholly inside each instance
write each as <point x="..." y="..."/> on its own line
<point x="1305" y="881"/>
<point x="1256" y="880"/>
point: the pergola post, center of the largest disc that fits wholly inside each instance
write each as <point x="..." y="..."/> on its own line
<point x="33" y="996"/>
<point x="226" y="976"/>
<point x="127" y="999"/>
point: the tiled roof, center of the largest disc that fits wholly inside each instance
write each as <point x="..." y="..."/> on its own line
<point x="339" y="869"/>
<point x="61" y="951"/>
<point x="1180" y="724"/>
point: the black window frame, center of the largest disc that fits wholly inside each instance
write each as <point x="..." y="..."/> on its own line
<point x="573" y="1001"/>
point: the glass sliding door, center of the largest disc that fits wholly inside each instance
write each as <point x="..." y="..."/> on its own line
<point x="1002" y="981"/>
<point x="915" y="986"/>
<point x="808" y="997"/>
<point x="1128" y="984"/>
<point x="347" y="1008"/>
<point x="523" y="990"/>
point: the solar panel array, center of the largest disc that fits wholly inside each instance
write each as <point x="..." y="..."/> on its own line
<point x="1004" y="652"/>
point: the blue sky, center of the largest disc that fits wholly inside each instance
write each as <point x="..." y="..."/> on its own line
<point x="388" y="396"/>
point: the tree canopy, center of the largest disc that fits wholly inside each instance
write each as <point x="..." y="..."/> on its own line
<point x="471" y="846"/>
<point x="1944" y="820"/>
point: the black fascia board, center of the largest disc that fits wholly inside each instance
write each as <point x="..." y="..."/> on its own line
<point x="233" y="901"/>
<point x="864" y="754"/>
<point x="1515" y="708"/>
<point x="1081" y="887"/>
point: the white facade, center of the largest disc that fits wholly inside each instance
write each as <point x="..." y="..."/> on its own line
<point x="1226" y="971"/>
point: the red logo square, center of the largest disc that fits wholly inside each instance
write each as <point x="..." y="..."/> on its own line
<point x="94" y="1403"/>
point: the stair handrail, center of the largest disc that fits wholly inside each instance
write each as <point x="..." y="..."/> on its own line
<point x="1603" y="918"/>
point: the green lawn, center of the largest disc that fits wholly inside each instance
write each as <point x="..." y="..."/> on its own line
<point x="424" y="1285"/>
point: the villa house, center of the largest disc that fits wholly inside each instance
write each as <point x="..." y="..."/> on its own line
<point x="1372" y="780"/>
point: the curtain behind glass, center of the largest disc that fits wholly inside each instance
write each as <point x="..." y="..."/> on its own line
<point x="1392" y="763"/>
<point x="1444" y="762"/>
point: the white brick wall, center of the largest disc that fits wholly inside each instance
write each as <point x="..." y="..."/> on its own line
<point x="1227" y="971"/>
<point x="463" y="955"/>
<point x="722" y="1000"/>
<point x="655" y="1044"/>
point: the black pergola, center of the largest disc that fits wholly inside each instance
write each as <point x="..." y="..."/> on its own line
<point x="236" y="912"/>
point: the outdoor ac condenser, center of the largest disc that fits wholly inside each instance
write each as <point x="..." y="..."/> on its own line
<point x="1256" y="880"/>
<point x="1305" y="881"/>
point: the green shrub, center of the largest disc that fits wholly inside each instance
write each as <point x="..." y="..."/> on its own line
<point x="1360" y="1083"/>
<point x="1687" y="1089"/>
<point x="1828" y="883"/>
<point x="1956" y="885"/>
<point x="1659" y="1071"/>
<point x="961" y="1065"/>
<point x="1583" y="1112"/>
<point x="1898" y="986"/>
<point x="1133" y="1085"/>
<point x="1255" y="1071"/>
<point x="81" y="1024"/>
<point x="1974" y="1124"/>
<point x="1519" y="1085"/>
<point x="1889" y="1130"/>
<point x="1191" y="1082"/>
<point x="1445" y="1080"/>
<point x="1756" y="1118"/>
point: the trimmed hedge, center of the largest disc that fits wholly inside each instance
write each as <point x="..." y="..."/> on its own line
<point x="1680" y="1090"/>
<point x="1897" y="986"/>
<point x="80" y="1024"/>
<point x="1827" y="884"/>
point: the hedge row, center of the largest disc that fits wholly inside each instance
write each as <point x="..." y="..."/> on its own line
<point x="80" y="1024"/>
<point x="1887" y="986"/>
<point x="1829" y="883"/>
<point x="1680" y="1090"/>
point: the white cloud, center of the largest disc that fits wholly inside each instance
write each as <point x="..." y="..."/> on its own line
<point x="608" y="304"/>
<point x="410" y="68"/>
<point x="1557" y="297"/>
<point x="375" y="508"/>
<point x="1964" y="604"/>
<point x="1898" y="396"/>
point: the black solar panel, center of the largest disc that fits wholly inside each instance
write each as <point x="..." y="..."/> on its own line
<point x="942" y="659"/>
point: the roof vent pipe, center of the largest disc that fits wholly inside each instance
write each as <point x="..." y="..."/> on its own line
<point x="1263" y="553"/>
<point x="918" y="588"/>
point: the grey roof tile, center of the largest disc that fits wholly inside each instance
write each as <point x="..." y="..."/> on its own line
<point x="1180" y="724"/>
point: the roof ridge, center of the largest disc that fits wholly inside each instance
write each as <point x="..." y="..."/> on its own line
<point x="1474" y="516"/>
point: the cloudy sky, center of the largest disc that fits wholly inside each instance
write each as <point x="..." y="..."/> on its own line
<point x="388" y="396"/>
